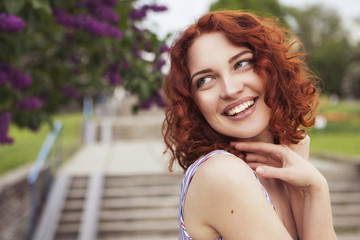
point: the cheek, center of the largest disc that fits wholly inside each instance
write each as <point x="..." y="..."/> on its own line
<point x="206" y="103"/>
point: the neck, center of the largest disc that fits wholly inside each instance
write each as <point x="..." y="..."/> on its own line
<point x="264" y="136"/>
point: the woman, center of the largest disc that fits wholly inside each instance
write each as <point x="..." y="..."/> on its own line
<point x="238" y="91"/>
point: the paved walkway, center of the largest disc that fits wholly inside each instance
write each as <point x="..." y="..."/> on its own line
<point x="144" y="156"/>
<point x="123" y="157"/>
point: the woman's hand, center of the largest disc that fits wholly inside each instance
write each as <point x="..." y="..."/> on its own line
<point x="279" y="161"/>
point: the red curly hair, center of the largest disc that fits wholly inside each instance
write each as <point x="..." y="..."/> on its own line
<point x="278" y="59"/>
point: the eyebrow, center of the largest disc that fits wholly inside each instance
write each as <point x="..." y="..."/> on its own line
<point x="232" y="59"/>
<point x="201" y="72"/>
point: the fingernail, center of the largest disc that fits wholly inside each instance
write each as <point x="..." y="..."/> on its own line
<point x="260" y="170"/>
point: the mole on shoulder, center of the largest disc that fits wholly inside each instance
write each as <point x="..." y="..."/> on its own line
<point x="232" y="211"/>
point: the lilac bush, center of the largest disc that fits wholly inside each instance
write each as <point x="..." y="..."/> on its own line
<point x="17" y="79"/>
<point x="11" y="23"/>
<point x="62" y="51"/>
<point x="29" y="103"/>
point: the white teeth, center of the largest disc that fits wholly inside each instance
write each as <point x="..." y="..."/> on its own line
<point x="240" y="107"/>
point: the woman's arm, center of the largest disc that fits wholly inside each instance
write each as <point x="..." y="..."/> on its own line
<point x="225" y="199"/>
<point x="276" y="161"/>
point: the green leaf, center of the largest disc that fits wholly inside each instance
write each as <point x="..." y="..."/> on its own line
<point x="13" y="6"/>
<point x="42" y="5"/>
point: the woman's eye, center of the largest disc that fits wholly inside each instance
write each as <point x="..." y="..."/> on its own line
<point x="242" y="63"/>
<point x="202" y="81"/>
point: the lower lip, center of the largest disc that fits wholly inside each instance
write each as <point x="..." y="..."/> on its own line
<point x="244" y="115"/>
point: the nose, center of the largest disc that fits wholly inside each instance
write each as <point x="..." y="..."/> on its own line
<point x="231" y="87"/>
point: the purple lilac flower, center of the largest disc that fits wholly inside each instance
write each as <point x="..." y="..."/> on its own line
<point x="138" y="14"/>
<point x="69" y="91"/>
<point x="29" y="103"/>
<point x="64" y="18"/>
<point x="164" y="48"/>
<point x="89" y="24"/>
<point x="17" y="79"/>
<point x="92" y="2"/>
<point x="147" y="104"/>
<point x="159" y="100"/>
<point x="126" y="64"/>
<point x="110" y="3"/>
<point x="155" y="8"/>
<point x="86" y="23"/>
<point x="20" y="80"/>
<point x="114" y="78"/>
<point x="158" y="8"/>
<point x="160" y="64"/>
<point x="147" y="46"/>
<point x="3" y="77"/>
<point x="11" y="23"/>
<point x="113" y="74"/>
<point x="5" y="120"/>
<point x="105" y="13"/>
<point x="114" y="32"/>
<point x="136" y="52"/>
<point x="156" y="98"/>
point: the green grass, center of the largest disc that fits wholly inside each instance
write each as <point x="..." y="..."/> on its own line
<point x="342" y="133"/>
<point x="347" y="144"/>
<point x="27" y="143"/>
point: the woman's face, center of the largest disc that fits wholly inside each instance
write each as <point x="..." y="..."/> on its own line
<point x="226" y="89"/>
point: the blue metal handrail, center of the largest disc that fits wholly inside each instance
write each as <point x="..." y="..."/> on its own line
<point x="44" y="152"/>
<point x="38" y="167"/>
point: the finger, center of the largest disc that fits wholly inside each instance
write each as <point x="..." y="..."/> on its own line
<point x="268" y="149"/>
<point x="252" y="157"/>
<point x="273" y="172"/>
<point x="254" y="165"/>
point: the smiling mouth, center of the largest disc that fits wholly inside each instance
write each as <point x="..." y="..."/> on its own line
<point x="241" y="108"/>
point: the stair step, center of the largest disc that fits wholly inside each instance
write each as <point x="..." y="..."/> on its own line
<point x="141" y="202"/>
<point x="345" y="197"/>
<point x="141" y="191"/>
<point x="344" y="186"/>
<point x="74" y="205"/>
<point x="347" y="221"/>
<point x="346" y="209"/>
<point x="138" y="214"/>
<point x="140" y="237"/>
<point x="148" y="226"/>
<point x="77" y="193"/>
<point x="143" y="180"/>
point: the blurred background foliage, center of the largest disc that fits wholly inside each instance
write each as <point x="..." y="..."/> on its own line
<point x="57" y="52"/>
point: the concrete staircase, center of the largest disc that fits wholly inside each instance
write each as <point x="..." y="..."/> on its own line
<point x="114" y="207"/>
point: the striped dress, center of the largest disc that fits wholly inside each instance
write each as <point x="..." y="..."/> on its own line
<point x="185" y="185"/>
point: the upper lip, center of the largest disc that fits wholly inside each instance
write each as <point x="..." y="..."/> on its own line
<point x="237" y="103"/>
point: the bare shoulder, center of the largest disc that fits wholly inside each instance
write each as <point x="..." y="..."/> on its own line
<point x="221" y="175"/>
<point x="223" y="193"/>
<point x="223" y="167"/>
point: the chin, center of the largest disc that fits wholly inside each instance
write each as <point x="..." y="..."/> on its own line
<point x="255" y="135"/>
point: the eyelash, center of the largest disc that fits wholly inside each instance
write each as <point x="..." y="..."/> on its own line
<point x="248" y="61"/>
<point x="198" y="84"/>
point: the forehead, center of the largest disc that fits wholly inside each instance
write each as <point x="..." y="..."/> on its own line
<point x="210" y="49"/>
